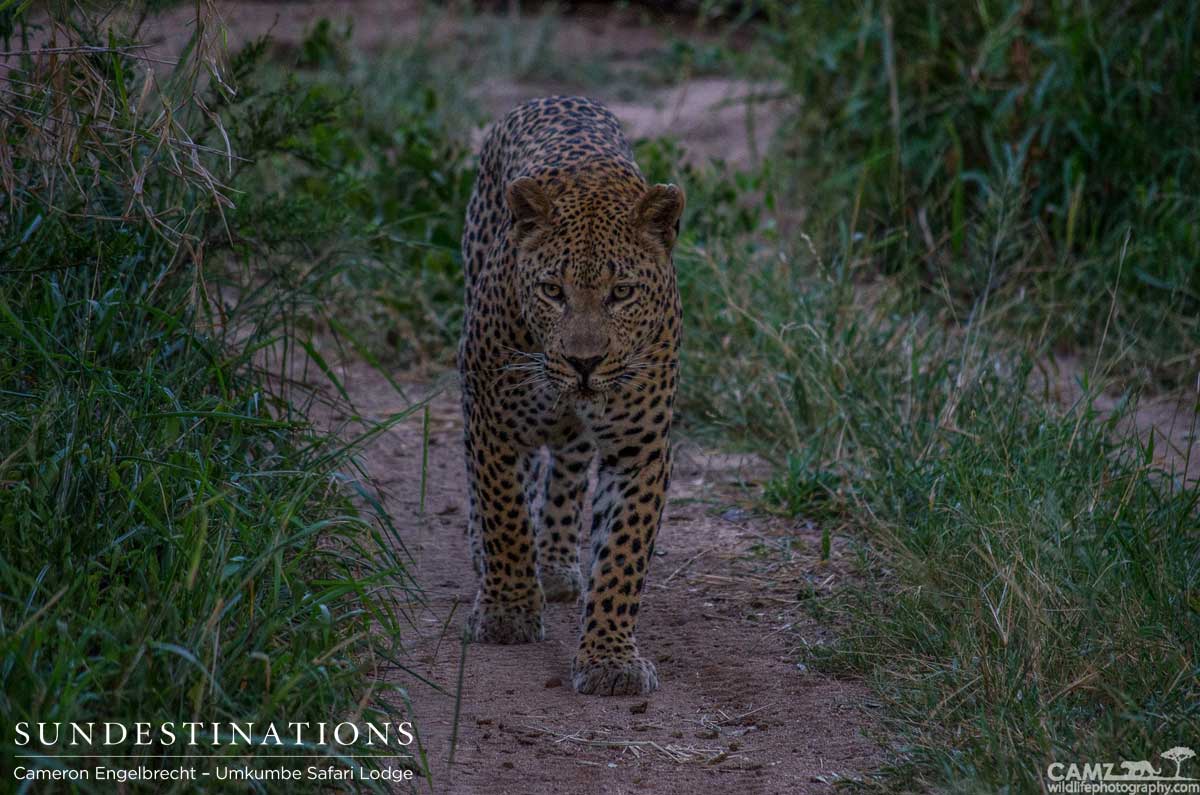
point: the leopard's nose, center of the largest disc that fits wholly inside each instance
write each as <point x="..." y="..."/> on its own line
<point x="584" y="366"/>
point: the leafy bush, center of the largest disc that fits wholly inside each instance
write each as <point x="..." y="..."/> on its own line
<point x="1076" y="119"/>
<point x="381" y="179"/>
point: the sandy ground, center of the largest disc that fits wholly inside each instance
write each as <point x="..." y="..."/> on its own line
<point x="712" y="117"/>
<point x="1171" y="421"/>
<point x="722" y="617"/>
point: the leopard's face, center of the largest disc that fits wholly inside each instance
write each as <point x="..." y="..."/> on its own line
<point x="596" y="286"/>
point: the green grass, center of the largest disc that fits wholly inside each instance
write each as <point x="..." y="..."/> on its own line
<point x="1073" y="120"/>
<point x="1029" y="579"/>
<point x="1010" y="187"/>
<point x="179" y="541"/>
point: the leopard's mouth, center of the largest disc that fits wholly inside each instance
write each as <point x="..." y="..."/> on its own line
<point x="600" y="385"/>
<point x="579" y="390"/>
<point x="590" y="394"/>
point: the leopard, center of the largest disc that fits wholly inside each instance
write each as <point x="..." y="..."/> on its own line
<point x="568" y="363"/>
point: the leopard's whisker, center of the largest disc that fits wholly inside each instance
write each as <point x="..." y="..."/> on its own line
<point x="527" y="354"/>
<point x="536" y="379"/>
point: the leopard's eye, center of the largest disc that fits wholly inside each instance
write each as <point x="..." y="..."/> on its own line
<point x="551" y="290"/>
<point x="622" y="292"/>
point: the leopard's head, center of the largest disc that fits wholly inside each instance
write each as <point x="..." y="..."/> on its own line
<point x="596" y="279"/>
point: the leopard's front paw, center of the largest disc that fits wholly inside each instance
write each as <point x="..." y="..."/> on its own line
<point x="631" y="676"/>
<point x="499" y="623"/>
<point x="561" y="584"/>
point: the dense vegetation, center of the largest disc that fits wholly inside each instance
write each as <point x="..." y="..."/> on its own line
<point x="987" y="187"/>
<point x="177" y="541"/>
<point x="961" y="202"/>
<point x="1040" y="156"/>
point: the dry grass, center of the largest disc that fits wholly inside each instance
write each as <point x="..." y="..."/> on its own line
<point x="84" y="120"/>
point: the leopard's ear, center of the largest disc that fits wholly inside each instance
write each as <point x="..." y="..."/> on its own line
<point x="531" y="208"/>
<point x="658" y="213"/>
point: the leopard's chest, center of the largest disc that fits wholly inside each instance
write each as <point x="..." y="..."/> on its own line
<point x="533" y="414"/>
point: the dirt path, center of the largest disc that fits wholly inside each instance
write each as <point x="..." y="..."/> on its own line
<point x="721" y="618"/>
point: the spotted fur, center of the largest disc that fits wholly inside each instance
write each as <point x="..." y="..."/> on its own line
<point x="569" y="354"/>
